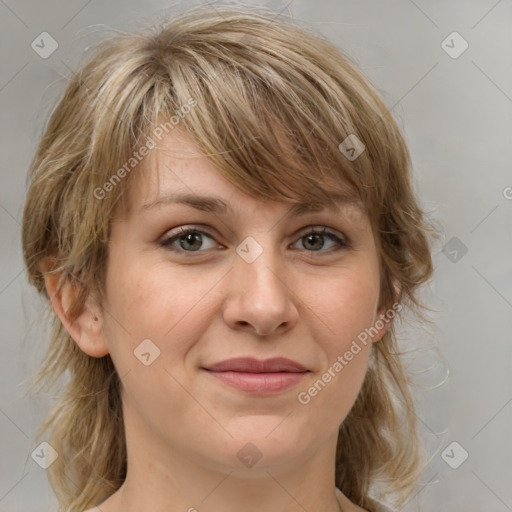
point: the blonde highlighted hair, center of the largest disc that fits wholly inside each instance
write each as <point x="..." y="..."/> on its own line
<point x="270" y="103"/>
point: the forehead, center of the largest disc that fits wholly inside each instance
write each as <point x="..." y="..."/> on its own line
<point x="178" y="172"/>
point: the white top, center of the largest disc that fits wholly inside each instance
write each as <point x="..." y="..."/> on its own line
<point x="380" y="506"/>
<point x="383" y="508"/>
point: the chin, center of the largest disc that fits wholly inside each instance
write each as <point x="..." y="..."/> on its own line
<point x="265" y="443"/>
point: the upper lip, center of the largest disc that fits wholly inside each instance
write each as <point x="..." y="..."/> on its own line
<point x="253" y="365"/>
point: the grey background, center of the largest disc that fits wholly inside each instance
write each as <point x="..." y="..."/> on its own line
<point x="457" y="118"/>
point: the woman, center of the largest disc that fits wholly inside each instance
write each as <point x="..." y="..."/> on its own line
<point x="221" y="215"/>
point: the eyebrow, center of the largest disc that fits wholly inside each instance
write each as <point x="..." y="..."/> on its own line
<point x="219" y="206"/>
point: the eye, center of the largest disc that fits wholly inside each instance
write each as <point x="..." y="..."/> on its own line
<point x="315" y="241"/>
<point x="192" y="240"/>
<point x="189" y="240"/>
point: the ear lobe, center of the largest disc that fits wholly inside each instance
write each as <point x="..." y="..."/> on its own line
<point x="381" y="326"/>
<point x="384" y="316"/>
<point x="382" y="322"/>
<point x="83" y="319"/>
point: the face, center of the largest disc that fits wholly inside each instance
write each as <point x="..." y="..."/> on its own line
<point x="191" y="285"/>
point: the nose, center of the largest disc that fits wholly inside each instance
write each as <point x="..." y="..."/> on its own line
<point x="259" y="300"/>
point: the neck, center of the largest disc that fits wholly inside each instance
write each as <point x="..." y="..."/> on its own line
<point x="189" y="487"/>
<point x="164" y="479"/>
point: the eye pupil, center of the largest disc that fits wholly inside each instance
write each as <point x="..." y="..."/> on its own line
<point x="313" y="237"/>
<point x="191" y="238"/>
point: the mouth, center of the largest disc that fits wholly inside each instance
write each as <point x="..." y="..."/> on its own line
<point x="259" y="383"/>
<point x="258" y="377"/>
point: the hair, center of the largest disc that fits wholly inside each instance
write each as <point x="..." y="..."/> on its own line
<point x="269" y="102"/>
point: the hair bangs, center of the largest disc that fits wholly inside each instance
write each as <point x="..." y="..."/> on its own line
<point x="268" y="131"/>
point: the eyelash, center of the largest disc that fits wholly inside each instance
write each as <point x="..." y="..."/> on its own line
<point x="341" y="243"/>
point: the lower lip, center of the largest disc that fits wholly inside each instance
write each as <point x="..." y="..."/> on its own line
<point x="262" y="383"/>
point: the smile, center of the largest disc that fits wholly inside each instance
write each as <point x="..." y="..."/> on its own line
<point x="259" y="383"/>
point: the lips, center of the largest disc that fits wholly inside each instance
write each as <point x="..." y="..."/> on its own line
<point x="252" y="365"/>
<point x="257" y="377"/>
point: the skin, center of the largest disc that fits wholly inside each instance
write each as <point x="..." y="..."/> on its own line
<point x="184" y="427"/>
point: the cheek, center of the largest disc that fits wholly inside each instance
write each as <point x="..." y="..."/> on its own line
<point x="344" y="310"/>
<point x="347" y="305"/>
<point x="152" y="300"/>
<point x="332" y="391"/>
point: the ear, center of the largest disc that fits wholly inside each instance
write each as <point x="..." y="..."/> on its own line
<point x="84" y="322"/>
<point x="384" y="316"/>
<point x="380" y="325"/>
